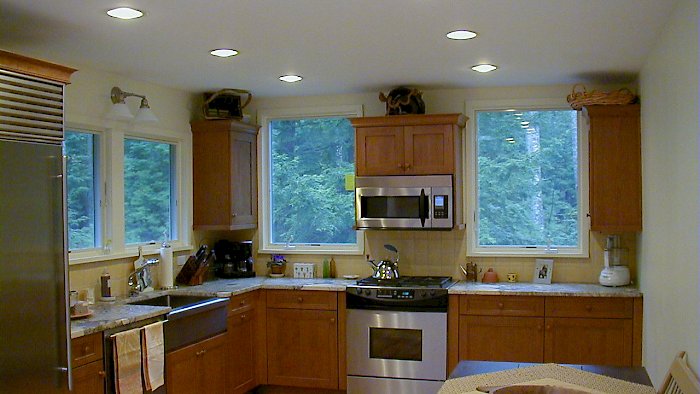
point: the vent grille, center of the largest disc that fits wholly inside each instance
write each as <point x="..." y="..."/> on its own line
<point x="30" y="108"/>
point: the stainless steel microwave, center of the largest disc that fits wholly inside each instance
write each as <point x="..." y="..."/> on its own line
<point x="404" y="202"/>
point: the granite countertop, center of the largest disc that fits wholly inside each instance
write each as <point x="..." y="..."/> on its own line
<point x="108" y="315"/>
<point x="536" y="289"/>
<point x="119" y="313"/>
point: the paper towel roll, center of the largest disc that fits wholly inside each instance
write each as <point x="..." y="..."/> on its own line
<point x="166" y="267"/>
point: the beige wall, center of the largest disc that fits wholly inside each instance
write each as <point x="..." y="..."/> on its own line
<point x="440" y="253"/>
<point x="87" y="103"/>
<point x="668" y="246"/>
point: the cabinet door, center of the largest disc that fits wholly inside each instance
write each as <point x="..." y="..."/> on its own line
<point x="588" y="341"/>
<point x="302" y="348"/>
<point x="244" y="207"/>
<point x="429" y="149"/>
<point x="211" y="178"/>
<point x="89" y="379"/>
<point x="500" y="338"/>
<point x="197" y="368"/>
<point x="240" y="354"/>
<point x="615" y="168"/>
<point x="379" y="151"/>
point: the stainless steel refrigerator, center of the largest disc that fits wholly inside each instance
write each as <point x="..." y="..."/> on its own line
<point x="34" y="319"/>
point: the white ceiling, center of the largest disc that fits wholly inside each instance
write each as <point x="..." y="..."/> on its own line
<point x="342" y="46"/>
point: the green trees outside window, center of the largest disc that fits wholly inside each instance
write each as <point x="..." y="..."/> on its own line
<point x="149" y="184"/>
<point x="527" y="178"/>
<point x="309" y="160"/>
<point x="80" y="149"/>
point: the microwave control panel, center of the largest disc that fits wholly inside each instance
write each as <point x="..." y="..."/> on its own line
<point x="440" y="206"/>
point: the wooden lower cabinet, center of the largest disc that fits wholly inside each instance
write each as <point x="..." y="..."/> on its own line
<point x="302" y="348"/>
<point x="198" y="368"/>
<point x="241" y="352"/>
<point x="500" y="338"/>
<point x="89" y="379"/>
<point x="571" y="330"/>
<point x="588" y="341"/>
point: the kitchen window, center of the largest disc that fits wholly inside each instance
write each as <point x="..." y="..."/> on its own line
<point x="83" y="197"/>
<point x="149" y="191"/>
<point x="529" y="182"/>
<point x="308" y="161"/>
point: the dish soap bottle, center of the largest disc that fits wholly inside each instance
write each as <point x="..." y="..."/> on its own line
<point x="326" y="268"/>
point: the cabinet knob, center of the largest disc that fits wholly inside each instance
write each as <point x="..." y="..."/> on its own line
<point x="589" y="308"/>
<point x="243" y="316"/>
<point x="101" y="374"/>
<point x="332" y="319"/>
<point x="300" y="299"/>
<point x="407" y="166"/>
<point x="500" y="305"/>
<point x="400" y="166"/>
<point x="539" y="327"/>
<point x="86" y="350"/>
<point x="242" y="302"/>
<point x="234" y="214"/>
<point x="548" y="327"/>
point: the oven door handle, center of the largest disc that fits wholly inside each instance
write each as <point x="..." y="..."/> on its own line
<point x="423" y="210"/>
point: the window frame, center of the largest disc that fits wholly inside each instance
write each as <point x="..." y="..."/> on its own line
<point x="175" y="197"/>
<point x="100" y="206"/>
<point x="264" y="212"/>
<point x="471" y="184"/>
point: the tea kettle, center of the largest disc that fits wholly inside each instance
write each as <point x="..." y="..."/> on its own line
<point x="386" y="269"/>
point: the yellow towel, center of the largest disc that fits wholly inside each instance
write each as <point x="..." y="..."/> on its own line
<point x="153" y="354"/>
<point x="127" y="362"/>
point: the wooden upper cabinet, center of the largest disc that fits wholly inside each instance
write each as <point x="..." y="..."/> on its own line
<point x="224" y="155"/>
<point x="615" y="168"/>
<point x="408" y="144"/>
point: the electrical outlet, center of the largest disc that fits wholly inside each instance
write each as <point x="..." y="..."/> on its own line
<point x="181" y="260"/>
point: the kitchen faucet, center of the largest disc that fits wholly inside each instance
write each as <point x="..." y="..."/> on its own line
<point x="140" y="279"/>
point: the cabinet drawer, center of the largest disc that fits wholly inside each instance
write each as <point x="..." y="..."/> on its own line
<point x="242" y="302"/>
<point x="300" y="299"/>
<point x="501" y="305"/>
<point x="86" y="349"/>
<point x="602" y="307"/>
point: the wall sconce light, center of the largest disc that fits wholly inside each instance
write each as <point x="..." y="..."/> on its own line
<point x="120" y="111"/>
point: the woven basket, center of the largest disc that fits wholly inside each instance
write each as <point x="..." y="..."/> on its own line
<point x="580" y="98"/>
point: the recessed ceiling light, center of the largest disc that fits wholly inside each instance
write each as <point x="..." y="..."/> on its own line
<point x="125" y="13"/>
<point x="484" y="68"/>
<point x="224" y="52"/>
<point x="290" y="78"/>
<point x="461" y="35"/>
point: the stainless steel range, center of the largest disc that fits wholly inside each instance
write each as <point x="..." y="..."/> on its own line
<point x="397" y="335"/>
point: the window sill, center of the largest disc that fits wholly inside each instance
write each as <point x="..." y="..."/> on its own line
<point x="328" y="251"/>
<point x="96" y="257"/>
<point x="534" y="254"/>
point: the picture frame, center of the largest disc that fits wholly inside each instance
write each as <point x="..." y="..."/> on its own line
<point x="543" y="271"/>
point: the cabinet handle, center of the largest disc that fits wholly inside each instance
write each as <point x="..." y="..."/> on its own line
<point x="400" y="166"/>
<point x="300" y="300"/>
<point x="234" y="214"/>
<point x="500" y="305"/>
<point x="332" y="319"/>
<point x="407" y="166"/>
<point x="242" y="302"/>
<point x="101" y="374"/>
<point x="243" y="316"/>
<point x="199" y="353"/>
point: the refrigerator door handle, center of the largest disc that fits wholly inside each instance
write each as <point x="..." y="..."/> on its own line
<point x="66" y="288"/>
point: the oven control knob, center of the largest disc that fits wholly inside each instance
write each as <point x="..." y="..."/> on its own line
<point x="432" y="293"/>
<point x="359" y="291"/>
<point x="368" y="292"/>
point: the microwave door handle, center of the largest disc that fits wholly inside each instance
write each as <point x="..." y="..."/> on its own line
<point x="422" y="207"/>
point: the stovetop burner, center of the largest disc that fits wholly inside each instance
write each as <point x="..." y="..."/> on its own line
<point x="434" y="282"/>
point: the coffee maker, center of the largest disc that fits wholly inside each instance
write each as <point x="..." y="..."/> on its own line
<point x="233" y="259"/>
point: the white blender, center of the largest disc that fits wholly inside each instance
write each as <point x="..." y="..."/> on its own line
<point x="615" y="272"/>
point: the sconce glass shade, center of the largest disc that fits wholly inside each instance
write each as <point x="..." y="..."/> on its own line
<point x="120" y="111"/>
<point x="145" y="115"/>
